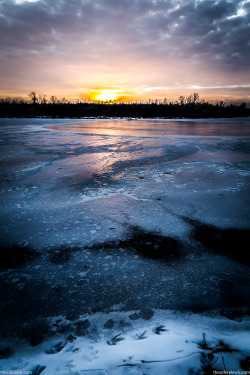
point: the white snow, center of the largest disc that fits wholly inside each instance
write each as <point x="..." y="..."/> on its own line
<point x="175" y="350"/>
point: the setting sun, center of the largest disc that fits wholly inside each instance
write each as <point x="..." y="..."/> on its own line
<point x="106" y="96"/>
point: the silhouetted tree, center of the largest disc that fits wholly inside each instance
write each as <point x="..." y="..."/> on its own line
<point x="41" y="98"/>
<point x="33" y="96"/>
<point x="196" y="97"/>
<point x="53" y="99"/>
<point x="190" y="107"/>
<point x="182" y="99"/>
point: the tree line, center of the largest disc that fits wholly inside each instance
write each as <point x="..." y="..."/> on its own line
<point x="191" y="106"/>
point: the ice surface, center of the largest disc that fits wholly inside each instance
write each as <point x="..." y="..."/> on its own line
<point x="111" y="223"/>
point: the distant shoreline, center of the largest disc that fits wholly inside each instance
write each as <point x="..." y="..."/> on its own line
<point x="129" y="118"/>
<point x="122" y="110"/>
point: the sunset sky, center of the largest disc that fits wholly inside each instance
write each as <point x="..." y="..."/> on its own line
<point x="140" y="49"/>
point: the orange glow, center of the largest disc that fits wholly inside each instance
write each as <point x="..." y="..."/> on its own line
<point x="105" y="95"/>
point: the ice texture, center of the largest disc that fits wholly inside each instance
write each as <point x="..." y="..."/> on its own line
<point x="116" y="223"/>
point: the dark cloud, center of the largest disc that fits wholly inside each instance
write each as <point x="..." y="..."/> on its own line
<point x="101" y="35"/>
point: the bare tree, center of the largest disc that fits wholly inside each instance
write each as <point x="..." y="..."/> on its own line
<point x="33" y="96"/>
<point x="196" y="97"/>
<point x="42" y="98"/>
<point x="182" y="99"/>
<point x="53" y="99"/>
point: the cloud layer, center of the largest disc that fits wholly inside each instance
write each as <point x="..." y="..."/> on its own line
<point x="71" y="46"/>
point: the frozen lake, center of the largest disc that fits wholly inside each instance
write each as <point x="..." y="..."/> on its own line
<point x="114" y="216"/>
<point x="132" y="127"/>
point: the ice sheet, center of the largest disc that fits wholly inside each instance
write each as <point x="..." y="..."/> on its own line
<point x="89" y="222"/>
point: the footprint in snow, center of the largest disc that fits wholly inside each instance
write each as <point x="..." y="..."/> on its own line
<point x="115" y="339"/>
<point x="141" y="336"/>
<point x="37" y="370"/>
<point x="160" y="329"/>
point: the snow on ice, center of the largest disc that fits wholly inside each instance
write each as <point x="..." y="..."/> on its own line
<point x="124" y="246"/>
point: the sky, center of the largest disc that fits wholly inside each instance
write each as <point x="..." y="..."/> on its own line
<point x="137" y="49"/>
